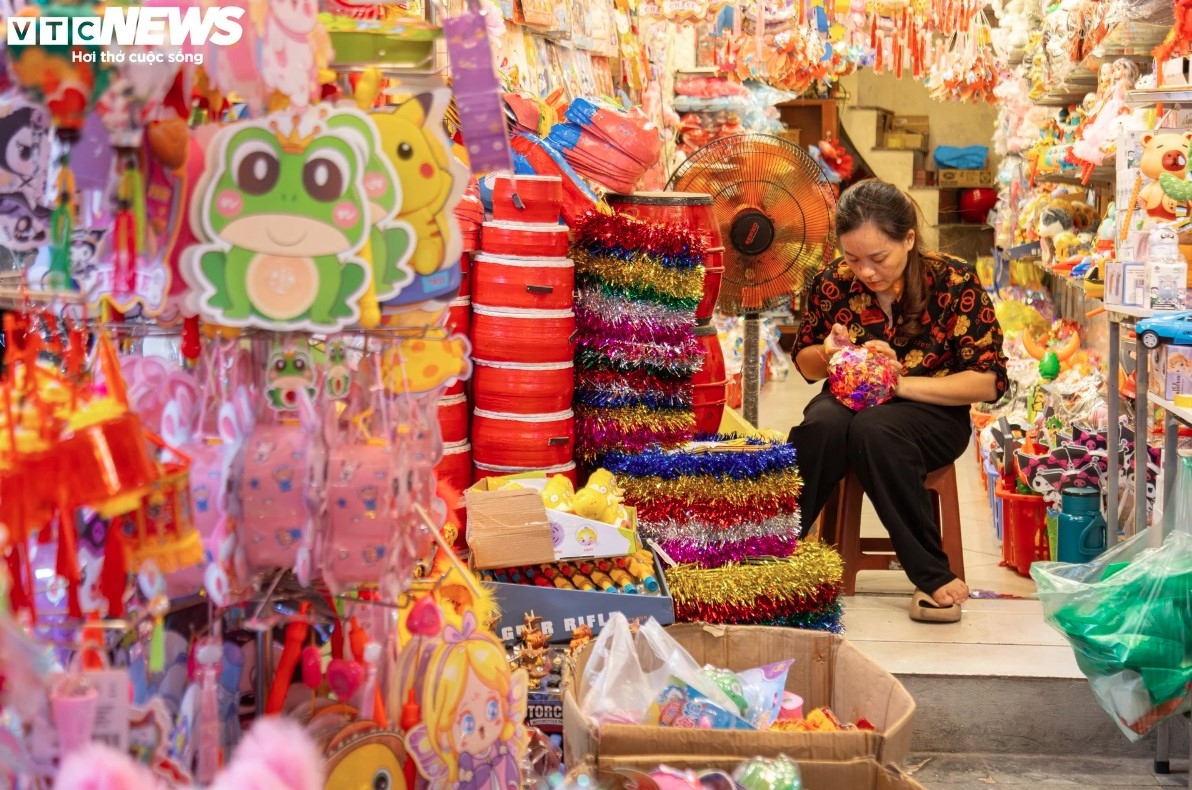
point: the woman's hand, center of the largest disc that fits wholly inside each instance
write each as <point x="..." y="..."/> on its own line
<point x="836" y="340"/>
<point x="883" y="348"/>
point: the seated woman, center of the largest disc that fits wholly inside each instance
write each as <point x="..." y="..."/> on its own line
<point x="930" y="314"/>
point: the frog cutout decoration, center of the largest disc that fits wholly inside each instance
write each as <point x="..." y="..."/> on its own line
<point x="283" y="210"/>
<point x="432" y="180"/>
<point x="289" y="370"/>
<point x="337" y="381"/>
<point x="390" y="243"/>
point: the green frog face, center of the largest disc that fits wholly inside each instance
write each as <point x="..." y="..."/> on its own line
<point x="339" y="376"/>
<point x="290" y="369"/>
<point x="290" y="195"/>
<point x="382" y="189"/>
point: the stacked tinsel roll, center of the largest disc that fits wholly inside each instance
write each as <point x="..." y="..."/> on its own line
<point x="639" y="284"/>
<point x="727" y="510"/>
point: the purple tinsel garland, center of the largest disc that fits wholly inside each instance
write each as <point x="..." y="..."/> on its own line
<point x="591" y="323"/>
<point x="713" y="555"/>
<point x="598" y="430"/>
<point x="616" y="310"/>
<point x="687" y="355"/>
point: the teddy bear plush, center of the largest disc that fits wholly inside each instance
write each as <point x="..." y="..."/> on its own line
<point x="1163" y="154"/>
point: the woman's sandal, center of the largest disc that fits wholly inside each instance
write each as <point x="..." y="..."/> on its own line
<point x="924" y="609"/>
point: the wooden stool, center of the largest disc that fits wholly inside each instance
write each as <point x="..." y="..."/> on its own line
<point x="840" y="525"/>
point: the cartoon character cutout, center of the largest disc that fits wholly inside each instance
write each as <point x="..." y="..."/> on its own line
<point x="24" y="151"/>
<point x="417" y="365"/>
<point x="283" y="211"/>
<point x="288" y="63"/>
<point x="586" y="537"/>
<point x="337" y="382"/>
<point x="432" y="180"/>
<point x="290" y="369"/>
<point x="390" y="242"/>
<point x="471" y="736"/>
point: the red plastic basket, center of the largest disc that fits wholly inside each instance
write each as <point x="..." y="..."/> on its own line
<point x="1024" y="527"/>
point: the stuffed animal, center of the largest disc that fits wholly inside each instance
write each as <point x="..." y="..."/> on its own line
<point x="591" y="504"/>
<point x="558" y="494"/>
<point x="276" y="754"/>
<point x="1163" y="153"/>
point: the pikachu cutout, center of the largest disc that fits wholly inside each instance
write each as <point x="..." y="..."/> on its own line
<point x="432" y="180"/>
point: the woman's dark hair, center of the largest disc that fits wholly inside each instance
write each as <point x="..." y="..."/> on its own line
<point x="895" y="214"/>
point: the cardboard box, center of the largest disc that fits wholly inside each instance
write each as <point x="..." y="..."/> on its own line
<point x="925" y="178"/>
<point x="885" y="120"/>
<point x="1125" y="283"/>
<point x="828" y="671"/>
<point x="911" y="124"/>
<point x="967" y="179"/>
<point x="859" y="774"/>
<point x="1171" y="372"/>
<point x="563" y="610"/>
<point x="1166" y="286"/>
<point x="906" y="141"/>
<point x="511" y="528"/>
<point x="544" y="710"/>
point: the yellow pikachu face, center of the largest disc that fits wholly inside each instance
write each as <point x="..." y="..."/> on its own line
<point x="422" y="163"/>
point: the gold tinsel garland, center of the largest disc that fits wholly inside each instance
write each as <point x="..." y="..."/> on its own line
<point x="778" y="486"/>
<point x="802" y="575"/>
<point x="641" y="271"/>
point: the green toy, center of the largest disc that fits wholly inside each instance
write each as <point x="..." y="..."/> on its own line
<point x="290" y="369"/>
<point x="284" y="214"/>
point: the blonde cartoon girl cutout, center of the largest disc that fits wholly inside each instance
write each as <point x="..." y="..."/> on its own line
<point x="471" y="736"/>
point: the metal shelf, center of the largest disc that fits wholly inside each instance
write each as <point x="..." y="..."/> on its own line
<point x="1102" y="174"/>
<point x="1181" y="413"/>
<point x="1148" y="97"/>
<point x="1031" y="250"/>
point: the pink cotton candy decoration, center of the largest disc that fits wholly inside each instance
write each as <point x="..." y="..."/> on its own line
<point x="97" y="767"/>
<point x="286" y="753"/>
<point x="860" y="378"/>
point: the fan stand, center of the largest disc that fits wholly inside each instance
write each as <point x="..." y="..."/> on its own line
<point x="751" y="378"/>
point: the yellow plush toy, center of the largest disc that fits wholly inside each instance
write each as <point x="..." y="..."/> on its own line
<point x="605" y="482"/>
<point x="558" y="494"/>
<point x="590" y="503"/>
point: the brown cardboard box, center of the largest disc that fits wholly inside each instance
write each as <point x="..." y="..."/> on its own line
<point x="912" y="124"/>
<point x="507" y="528"/>
<point x="924" y="178"/>
<point x="966" y="178"/>
<point x="858" y="774"/>
<point x="1171" y="371"/>
<point x="828" y="671"/>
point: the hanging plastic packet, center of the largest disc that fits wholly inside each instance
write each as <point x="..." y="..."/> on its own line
<point x="477" y="90"/>
<point x="359" y="525"/>
<point x="762" y="689"/>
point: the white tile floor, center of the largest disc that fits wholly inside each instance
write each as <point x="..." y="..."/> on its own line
<point x="999" y="637"/>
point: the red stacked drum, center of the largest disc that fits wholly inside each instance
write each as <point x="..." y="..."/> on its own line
<point x="459" y="316"/>
<point x="453" y="419"/>
<point x="456" y="465"/>
<point x="511" y="238"/>
<point x="482" y="471"/>
<point x="687" y="209"/>
<point x="523" y="333"/>
<point x="465" y="274"/>
<point x="523" y="441"/>
<point x="531" y="336"/>
<point x="527" y="199"/>
<point x="524" y="283"/>
<point x="519" y="388"/>
<point x="710" y="382"/>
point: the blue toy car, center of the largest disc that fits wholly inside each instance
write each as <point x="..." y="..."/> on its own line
<point x="1175" y="328"/>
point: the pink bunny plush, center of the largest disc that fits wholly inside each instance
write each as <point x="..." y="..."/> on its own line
<point x="276" y="754"/>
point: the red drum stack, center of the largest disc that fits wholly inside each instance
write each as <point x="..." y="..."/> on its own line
<point x="523" y="328"/>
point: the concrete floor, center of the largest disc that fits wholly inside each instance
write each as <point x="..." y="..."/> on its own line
<point x="999" y="681"/>
<point x="977" y="771"/>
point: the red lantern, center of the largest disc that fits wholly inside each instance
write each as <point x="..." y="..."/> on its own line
<point x="975" y="204"/>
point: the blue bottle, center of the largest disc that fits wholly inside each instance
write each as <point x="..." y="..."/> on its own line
<point x="1082" y="529"/>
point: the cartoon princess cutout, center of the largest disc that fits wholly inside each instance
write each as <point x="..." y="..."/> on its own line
<point x="586" y="537"/>
<point x="471" y="736"/>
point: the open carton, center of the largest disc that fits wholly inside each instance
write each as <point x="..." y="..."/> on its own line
<point x="828" y="672"/>
<point x="859" y="774"/>
<point x="513" y="528"/>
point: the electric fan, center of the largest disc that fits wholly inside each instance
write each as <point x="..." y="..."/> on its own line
<point x="775" y="209"/>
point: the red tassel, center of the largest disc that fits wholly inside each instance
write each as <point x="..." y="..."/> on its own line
<point x="113" y="579"/>
<point x="18" y="595"/>
<point x="191" y="344"/>
<point x="124" y="254"/>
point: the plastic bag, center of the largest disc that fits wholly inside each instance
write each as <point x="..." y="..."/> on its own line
<point x="972" y="157"/>
<point x="1128" y="617"/>
<point x="615" y="687"/>
<point x="662" y="658"/>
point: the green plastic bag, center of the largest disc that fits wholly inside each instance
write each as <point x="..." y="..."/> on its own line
<point x="1128" y="617"/>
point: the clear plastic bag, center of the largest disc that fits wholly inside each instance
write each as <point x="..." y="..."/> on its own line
<point x="1128" y="617"/>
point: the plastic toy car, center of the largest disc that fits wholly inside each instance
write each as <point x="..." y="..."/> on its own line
<point x="1175" y="328"/>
